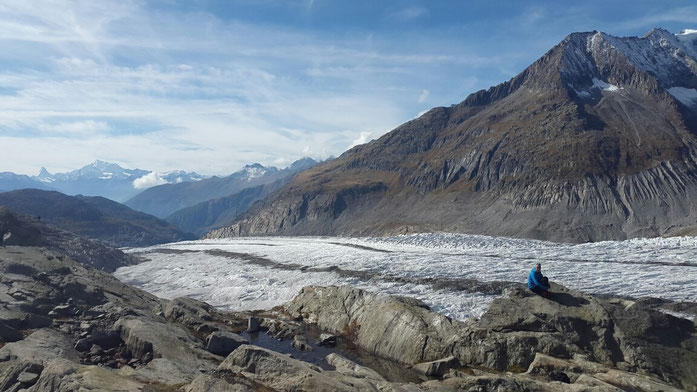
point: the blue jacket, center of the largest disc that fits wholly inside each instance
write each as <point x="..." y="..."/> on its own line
<point x="535" y="279"/>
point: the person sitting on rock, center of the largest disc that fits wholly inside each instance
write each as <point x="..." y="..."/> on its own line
<point x="537" y="283"/>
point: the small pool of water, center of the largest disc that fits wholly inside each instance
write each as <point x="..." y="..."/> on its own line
<point x="392" y="371"/>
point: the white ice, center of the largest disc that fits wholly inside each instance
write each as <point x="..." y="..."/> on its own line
<point x="662" y="267"/>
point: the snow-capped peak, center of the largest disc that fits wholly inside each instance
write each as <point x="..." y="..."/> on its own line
<point x="254" y="170"/>
<point x="687" y="32"/>
<point x="44" y="176"/>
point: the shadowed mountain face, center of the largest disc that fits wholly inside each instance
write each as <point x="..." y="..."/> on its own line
<point x="22" y="230"/>
<point x="596" y="140"/>
<point x="93" y="217"/>
<point x="214" y="214"/>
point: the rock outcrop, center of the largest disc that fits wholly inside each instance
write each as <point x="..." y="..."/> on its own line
<point x="613" y="334"/>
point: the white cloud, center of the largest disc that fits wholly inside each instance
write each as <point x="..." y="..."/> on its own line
<point x="362" y="139"/>
<point x="424" y="95"/>
<point x="148" y="181"/>
<point x="112" y="80"/>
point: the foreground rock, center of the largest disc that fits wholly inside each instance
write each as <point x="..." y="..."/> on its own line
<point x="69" y="318"/>
<point x="68" y="327"/>
<point x="615" y="335"/>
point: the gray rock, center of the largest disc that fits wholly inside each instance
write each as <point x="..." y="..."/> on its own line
<point x="28" y="378"/>
<point x="327" y="339"/>
<point x="511" y="333"/>
<point x="346" y="366"/>
<point x="437" y="368"/>
<point x="62" y="310"/>
<point x="279" y="371"/>
<point x="253" y="324"/>
<point x="83" y="344"/>
<point x="105" y="340"/>
<point x="224" y="383"/>
<point x="8" y="334"/>
<point x="379" y="324"/>
<point x="300" y="343"/>
<point x="189" y="312"/>
<point x="223" y="343"/>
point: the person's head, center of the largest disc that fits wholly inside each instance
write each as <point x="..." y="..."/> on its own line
<point x="538" y="267"/>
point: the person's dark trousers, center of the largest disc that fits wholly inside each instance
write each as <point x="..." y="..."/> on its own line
<point x="540" y="291"/>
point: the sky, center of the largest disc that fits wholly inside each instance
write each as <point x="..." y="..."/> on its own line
<point x="210" y="86"/>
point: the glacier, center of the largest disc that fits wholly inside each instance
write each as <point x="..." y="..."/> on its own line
<point x="446" y="271"/>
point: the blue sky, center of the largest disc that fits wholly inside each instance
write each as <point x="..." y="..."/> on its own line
<point x="209" y="86"/>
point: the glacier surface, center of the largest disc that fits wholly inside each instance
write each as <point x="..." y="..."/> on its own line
<point x="262" y="272"/>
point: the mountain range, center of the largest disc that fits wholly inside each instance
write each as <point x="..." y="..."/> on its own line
<point x="164" y="200"/>
<point x="96" y="179"/>
<point x="595" y="140"/>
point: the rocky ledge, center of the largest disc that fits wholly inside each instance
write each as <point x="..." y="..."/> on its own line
<point x="66" y="327"/>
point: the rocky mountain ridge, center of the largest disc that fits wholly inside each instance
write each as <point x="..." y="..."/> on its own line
<point x="110" y="180"/>
<point x="596" y="140"/>
<point x="22" y="230"/>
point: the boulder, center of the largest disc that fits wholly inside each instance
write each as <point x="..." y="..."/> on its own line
<point x="327" y="339"/>
<point x="223" y="343"/>
<point x="28" y="378"/>
<point x="300" y="343"/>
<point x="346" y="366"/>
<point x="437" y="368"/>
<point x="41" y="346"/>
<point x="279" y="371"/>
<point x="8" y="334"/>
<point x="189" y="312"/>
<point x="379" y="324"/>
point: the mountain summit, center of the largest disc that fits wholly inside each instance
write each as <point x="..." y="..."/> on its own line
<point x="595" y="140"/>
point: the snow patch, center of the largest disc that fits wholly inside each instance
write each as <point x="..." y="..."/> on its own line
<point x="597" y="84"/>
<point x="687" y="96"/>
<point x="604" y="85"/>
<point x="687" y="32"/>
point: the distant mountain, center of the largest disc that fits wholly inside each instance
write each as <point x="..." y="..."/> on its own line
<point x="596" y="140"/>
<point x="164" y="200"/>
<point x="108" y="180"/>
<point x="214" y="214"/>
<point x="93" y="217"/>
<point x="10" y="181"/>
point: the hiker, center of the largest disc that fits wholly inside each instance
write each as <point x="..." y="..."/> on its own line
<point x="537" y="283"/>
